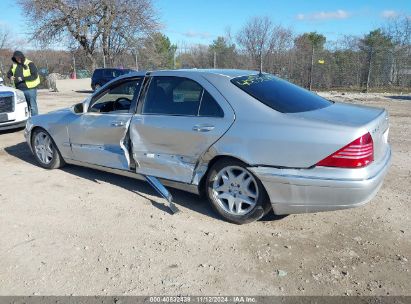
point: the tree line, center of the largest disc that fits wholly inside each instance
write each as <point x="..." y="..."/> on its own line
<point x="127" y="33"/>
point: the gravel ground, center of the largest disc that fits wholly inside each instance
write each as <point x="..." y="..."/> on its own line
<point x="83" y="232"/>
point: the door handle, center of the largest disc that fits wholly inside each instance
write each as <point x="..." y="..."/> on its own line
<point x="117" y="124"/>
<point x="203" y="128"/>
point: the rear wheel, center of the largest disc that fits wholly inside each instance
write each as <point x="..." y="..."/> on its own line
<point x="235" y="193"/>
<point x="45" y="150"/>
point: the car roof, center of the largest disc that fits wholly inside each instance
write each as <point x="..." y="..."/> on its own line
<point x="230" y="73"/>
<point x="117" y="69"/>
<point x="4" y="88"/>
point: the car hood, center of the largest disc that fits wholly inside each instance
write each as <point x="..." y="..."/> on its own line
<point x="60" y="111"/>
<point x="4" y="88"/>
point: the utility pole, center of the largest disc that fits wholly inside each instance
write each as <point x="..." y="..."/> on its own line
<point x="367" y="85"/>
<point x="311" y="67"/>
<point x="215" y="60"/>
<point x="74" y="66"/>
<point x="261" y="63"/>
<point x="104" y="60"/>
<point x="136" y="58"/>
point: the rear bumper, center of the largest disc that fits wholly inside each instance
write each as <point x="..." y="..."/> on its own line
<point x="320" y="188"/>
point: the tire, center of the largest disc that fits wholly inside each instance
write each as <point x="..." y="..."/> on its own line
<point x="45" y="150"/>
<point x="235" y="193"/>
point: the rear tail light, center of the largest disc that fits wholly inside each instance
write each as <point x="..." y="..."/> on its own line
<point x="357" y="154"/>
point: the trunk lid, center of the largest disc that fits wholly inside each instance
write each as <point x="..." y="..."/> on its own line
<point x="374" y="120"/>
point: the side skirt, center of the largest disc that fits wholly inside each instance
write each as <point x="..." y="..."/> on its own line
<point x="176" y="185"/>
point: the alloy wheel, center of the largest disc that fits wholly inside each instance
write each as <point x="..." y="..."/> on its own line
<point x="235" y="190"/>
<point x="43" y="147"/>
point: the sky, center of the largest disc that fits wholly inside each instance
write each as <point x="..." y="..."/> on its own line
<point x="195" y="21"/>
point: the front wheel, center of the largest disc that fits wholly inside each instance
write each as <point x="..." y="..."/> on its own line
<point x="235" y="193"/>
<point x="45" y="150"/>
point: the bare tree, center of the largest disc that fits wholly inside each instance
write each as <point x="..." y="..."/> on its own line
<point x="5" y="37"/>
<point x="255" y="39"/>
<point x="399" y="30"/>
<point x="5" y="41"/>
<point x="109" y="25"/>
<point x="281" y="42"/>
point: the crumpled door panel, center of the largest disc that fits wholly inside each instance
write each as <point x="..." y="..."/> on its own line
<point x="170" y="147"/>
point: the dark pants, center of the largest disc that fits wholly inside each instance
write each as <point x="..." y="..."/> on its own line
<point x="31" y="98"/>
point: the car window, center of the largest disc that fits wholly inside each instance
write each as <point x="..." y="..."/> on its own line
<point x="279" y="94"/>
<point x="173" y="96"/>
<point x="117" y="98"/>
<point x="117" y="73"/>
<point x="97" y="73"/>
<point x="209" y="107"/>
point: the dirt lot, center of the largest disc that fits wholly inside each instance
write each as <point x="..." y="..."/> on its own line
<point x="83" y="232"/>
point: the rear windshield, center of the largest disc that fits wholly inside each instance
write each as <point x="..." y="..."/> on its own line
<point x="279" y="94"/>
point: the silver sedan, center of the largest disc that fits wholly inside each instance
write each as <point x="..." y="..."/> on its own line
<point x="250" y="142"/>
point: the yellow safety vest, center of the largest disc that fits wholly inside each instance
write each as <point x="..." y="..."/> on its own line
<point x="26" y="73"/>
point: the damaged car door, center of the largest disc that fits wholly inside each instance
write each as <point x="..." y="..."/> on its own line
<point x="100" y="136"/>
<point x="177" y="121"/>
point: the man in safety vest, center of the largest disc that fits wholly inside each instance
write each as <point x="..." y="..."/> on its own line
<point x="23" y="73"/>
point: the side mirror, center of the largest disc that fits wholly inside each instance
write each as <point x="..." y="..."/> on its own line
<point x="78" y="108"/>
<point x="81" y="107"/>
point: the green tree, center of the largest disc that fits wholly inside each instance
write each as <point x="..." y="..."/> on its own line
<point x="158" y="52"/>
<point x="165" y="50"/>
<point x="223" y="53"/>
<point x="310" y="42"/>
<point x="374" y="44"/>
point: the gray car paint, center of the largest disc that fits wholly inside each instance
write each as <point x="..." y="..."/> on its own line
<point x="281" y="149"/>
<point x="171" y="146"/>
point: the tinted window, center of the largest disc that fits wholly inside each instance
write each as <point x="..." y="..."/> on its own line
<point x="279" y="94"/>
<point x="173" y="96"/>
<point x="117" y="98"/>
<point x="117" y="73"/>
<point x="126" y="71"/>
<point x="209" y="107"/>
<point x="97" y="73"/>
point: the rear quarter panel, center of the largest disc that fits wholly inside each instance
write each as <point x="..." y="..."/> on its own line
<point x="263" y="136"/>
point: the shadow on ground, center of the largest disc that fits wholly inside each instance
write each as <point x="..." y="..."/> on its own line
<point x="401" y="97"/>
<point x="141" y="188"/>
<point x="84" y="91"/>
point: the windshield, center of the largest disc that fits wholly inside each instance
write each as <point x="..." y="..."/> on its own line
<point x="279" y="94"/>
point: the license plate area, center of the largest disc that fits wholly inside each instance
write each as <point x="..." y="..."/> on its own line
<point x="4" y="117"/>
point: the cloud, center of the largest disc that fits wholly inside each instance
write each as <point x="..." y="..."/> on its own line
<point x="338" y="14"/>
<point x="194" y="34"/>
<point x="389" y="14"/>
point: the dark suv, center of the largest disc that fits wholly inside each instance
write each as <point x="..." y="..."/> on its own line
<point x="102" y="76"/>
